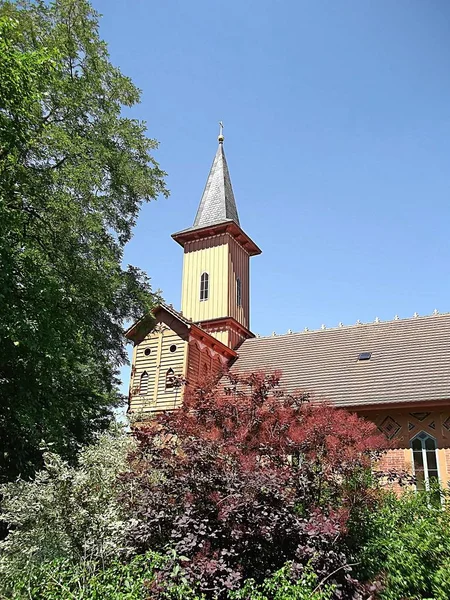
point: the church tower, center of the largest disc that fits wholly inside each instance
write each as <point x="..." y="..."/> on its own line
<point x="175" y="351"/>
<point x="216" y="266"/>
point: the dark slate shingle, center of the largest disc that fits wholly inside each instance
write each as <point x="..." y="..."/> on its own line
<point x="217" y="204"/>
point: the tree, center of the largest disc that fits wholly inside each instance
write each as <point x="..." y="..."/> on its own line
<point x="242" y="482"/>
<point x="73" y="174"/>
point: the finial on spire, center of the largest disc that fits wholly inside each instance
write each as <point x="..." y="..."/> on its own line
<point x="221" y="137"/>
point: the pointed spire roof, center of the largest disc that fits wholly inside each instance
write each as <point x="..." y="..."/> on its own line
<point x="217" y="212"/>
<point x="217" y="204"/>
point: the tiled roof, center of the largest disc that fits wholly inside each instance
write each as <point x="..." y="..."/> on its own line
<point x="410" y="361"/>
<point x="217" y="204"/>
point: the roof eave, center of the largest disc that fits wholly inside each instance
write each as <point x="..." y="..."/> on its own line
<point x="198" y="233"/>
<point x="136" y="333"/>
<point x="226" y="320"/>
<point x="205" y="336"/>
<point x="394" y="405"/>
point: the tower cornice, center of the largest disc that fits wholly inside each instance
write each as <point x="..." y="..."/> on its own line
<point x="229" y="226"/>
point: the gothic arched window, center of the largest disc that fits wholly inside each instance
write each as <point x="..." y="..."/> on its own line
<point x="204" y="286"/>
<point x="170" y="379"/>
<point x="238" y="292"/>
<point x="143" y="384"/>
<point x="425" y="464"/>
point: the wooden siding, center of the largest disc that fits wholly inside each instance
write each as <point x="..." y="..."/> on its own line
<point x="194" y="357"/>
<point x="160" y="360"/>
<point x="223" y="336"/>
<point x="203" y="364"/>
<point x="236" y="339"/>
<point x="211" y="256"/>
<point x="238" y="267"/>
<point x="225" y="260"/>
<point x="229" y="334"/>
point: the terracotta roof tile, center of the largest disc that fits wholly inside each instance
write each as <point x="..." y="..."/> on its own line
<point x="410" y="361"/>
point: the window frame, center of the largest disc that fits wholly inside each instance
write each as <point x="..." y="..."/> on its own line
<point x="169" y="383"/>
<point x="145" y="375"/>
<point x="423" y="436"/>
<point x="204" y="286"/>
<point x="238" y="291"/>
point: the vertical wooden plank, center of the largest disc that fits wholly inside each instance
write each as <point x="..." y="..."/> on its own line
<point x="158" y="367"/>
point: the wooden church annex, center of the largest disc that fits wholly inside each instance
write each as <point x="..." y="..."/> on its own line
<point x="395" y="373"/>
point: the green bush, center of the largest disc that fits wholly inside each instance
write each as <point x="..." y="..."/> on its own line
<point x="407" y="547"/>
<point x="283" y="585"/>
<point x="62" y="579"/>
<point x="67" y="512"/>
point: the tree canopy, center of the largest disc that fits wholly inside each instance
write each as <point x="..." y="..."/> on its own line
<point x="74" y="171"/>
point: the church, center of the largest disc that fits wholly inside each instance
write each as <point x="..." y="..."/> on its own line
<point x="395" y="373"/>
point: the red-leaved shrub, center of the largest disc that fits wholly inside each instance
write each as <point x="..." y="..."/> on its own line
<point x="241" y="480"/>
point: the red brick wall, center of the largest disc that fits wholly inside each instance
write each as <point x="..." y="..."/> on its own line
<point x="395" y="460"/>
<point x="408" y="422"/>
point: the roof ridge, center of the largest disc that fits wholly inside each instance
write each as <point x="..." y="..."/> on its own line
<point x="169" y="308"/>
<point x="356" y="325"/>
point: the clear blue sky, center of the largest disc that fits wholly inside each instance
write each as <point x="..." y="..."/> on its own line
<point x="337" y="135"/>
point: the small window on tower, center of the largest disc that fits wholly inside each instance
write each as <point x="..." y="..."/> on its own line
<point x="238" y="292"/>
<point x="204" y="286"/>
<point x="143" y="384"/>
<point x="170" y="379"/>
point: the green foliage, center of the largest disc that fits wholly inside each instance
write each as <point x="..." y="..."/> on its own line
<point x="283" y="586"/>
<point x="135" y="581"/>
<point x="67" y="513"/>
<point x="88" y="581"/>
<point x="74" y="172"/>
<point x="407" y="548"/>
<point x="25" y="75"/>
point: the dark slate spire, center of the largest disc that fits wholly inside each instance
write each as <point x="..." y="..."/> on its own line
<point x="217" y="204"/>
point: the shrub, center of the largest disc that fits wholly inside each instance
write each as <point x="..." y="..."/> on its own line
<point x="67" y="512"/>
<point x="407" y="547"/>
<point x="285" y="584"/>
<point x="242" y="482"/>
<point x="135" y="580"/>
<point x="90" y="580"/>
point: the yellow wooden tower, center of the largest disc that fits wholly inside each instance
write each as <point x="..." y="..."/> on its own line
<point x="174" y="350"/>
<point x="216" y="267"/>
